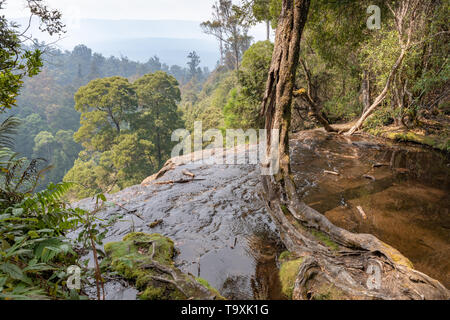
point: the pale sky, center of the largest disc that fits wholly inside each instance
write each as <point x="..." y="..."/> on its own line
<point x="195" y="10"/>
<point x="94" y="35"/>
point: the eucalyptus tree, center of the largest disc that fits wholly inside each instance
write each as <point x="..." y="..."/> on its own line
<point x="228" y="26"/>
<point x="352" y="266"/>
<point x="158" y="97"/>
<point x="106" y="107"/>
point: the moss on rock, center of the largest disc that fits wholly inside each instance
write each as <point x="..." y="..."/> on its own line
<point x="288" y="272"/>
<point x="154" y="273"/>
<point x="439" y="142"/>
<point x="325" y="239"/>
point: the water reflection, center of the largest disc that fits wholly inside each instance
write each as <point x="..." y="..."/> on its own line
<point x="403" y="191"/>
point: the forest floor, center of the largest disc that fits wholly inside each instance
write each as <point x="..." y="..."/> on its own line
<point x="433" y="131"/>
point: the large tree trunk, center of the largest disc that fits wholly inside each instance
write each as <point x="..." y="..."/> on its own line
<point x="355" y="266"/>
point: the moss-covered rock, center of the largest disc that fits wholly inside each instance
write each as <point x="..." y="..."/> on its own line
<point x="288" y="272"/>
<point x="147" y="261"/>
<point x="434" y="141"/>
<point x="290" y="265"/>
<point x="437" y="141"/>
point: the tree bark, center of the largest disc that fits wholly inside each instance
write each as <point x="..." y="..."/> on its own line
<point x="356" y="266"/>
<point x="366" y="91"/>
<point x="311" y="100"/>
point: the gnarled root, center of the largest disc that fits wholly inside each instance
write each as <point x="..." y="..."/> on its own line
<point x="339" y="264"/>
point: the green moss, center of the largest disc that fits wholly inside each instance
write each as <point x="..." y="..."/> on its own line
<point x="436" y="142"/>
<point x="328" y="293"/>
<point x="325" y="239"/>
<point x="132" y="257"/>
<point x="285" y="255"/>
<point x="206" y="284"/>
<point x="288" y="274"/>
<point x="285" y="209"/>
<point x="152" y="293"/>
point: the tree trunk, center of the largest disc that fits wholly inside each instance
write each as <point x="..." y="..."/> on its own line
<point x="354" y="266"/>
<point x="380" y="97"/>
<point x="222" y="60"/>
<point x="310" y="100"/>
<point x="366" y="91"/>
<point x="268" y="30"/>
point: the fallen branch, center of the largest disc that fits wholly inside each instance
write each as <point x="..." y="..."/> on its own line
<point x="331" y="172"/>
<point x="176" y="181"/>
<point x="361" y="212"/>
<point x="367" y="176"/>
<point x="188" y="173"/>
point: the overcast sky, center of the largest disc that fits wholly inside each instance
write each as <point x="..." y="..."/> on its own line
<point x="196" y="10"/>
<point x="95" y="35"/>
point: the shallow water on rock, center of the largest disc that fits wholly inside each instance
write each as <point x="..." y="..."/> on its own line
<point x="219" y="225"/>
<point x="224" y="234"/>
<point x="401" y="189"/>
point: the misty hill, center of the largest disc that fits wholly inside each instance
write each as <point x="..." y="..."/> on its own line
<point x="137" y="39"/>
<point x="174" y="51"/>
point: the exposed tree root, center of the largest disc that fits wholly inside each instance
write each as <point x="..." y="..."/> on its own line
<point x="358" y="266"/>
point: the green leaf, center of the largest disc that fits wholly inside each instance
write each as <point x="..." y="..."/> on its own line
<point x="14" y="272"/>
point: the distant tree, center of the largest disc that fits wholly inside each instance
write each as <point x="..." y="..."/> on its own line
<point x="153" y="65"/>
<point x="106" y="106"/>
<point x="193" y="63"/>
<point x="44" y="144"/>
<point x="158" y="95"/>
<point x="97" y="62"/>
<point x="16" y="61"/>
<point x="28" y="129"/>
<point x="229" y="27"/>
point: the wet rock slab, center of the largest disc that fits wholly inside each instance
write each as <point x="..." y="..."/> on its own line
<point x="219" y="225"/>
<point x="223" y="233"/>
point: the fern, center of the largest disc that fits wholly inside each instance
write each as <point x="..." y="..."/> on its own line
<point x="7" y="129"/>
<point x="52" y="194"/>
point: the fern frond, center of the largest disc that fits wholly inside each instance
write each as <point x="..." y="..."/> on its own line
<point x="7" y="129"/>
<point x="53" y="193"/>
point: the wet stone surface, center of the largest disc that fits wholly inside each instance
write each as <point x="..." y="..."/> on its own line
<point x="219" y="225"/>
<point x="223" y="233"/>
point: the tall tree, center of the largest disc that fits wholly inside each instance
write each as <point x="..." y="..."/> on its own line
<point x="193" y="63"/>
<point x="255" y="11"/>
<point x="159" y="116"/>
<point x="229" y="27"/>
<point x="333" y="257"/>
<point x="106" y="105"/>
